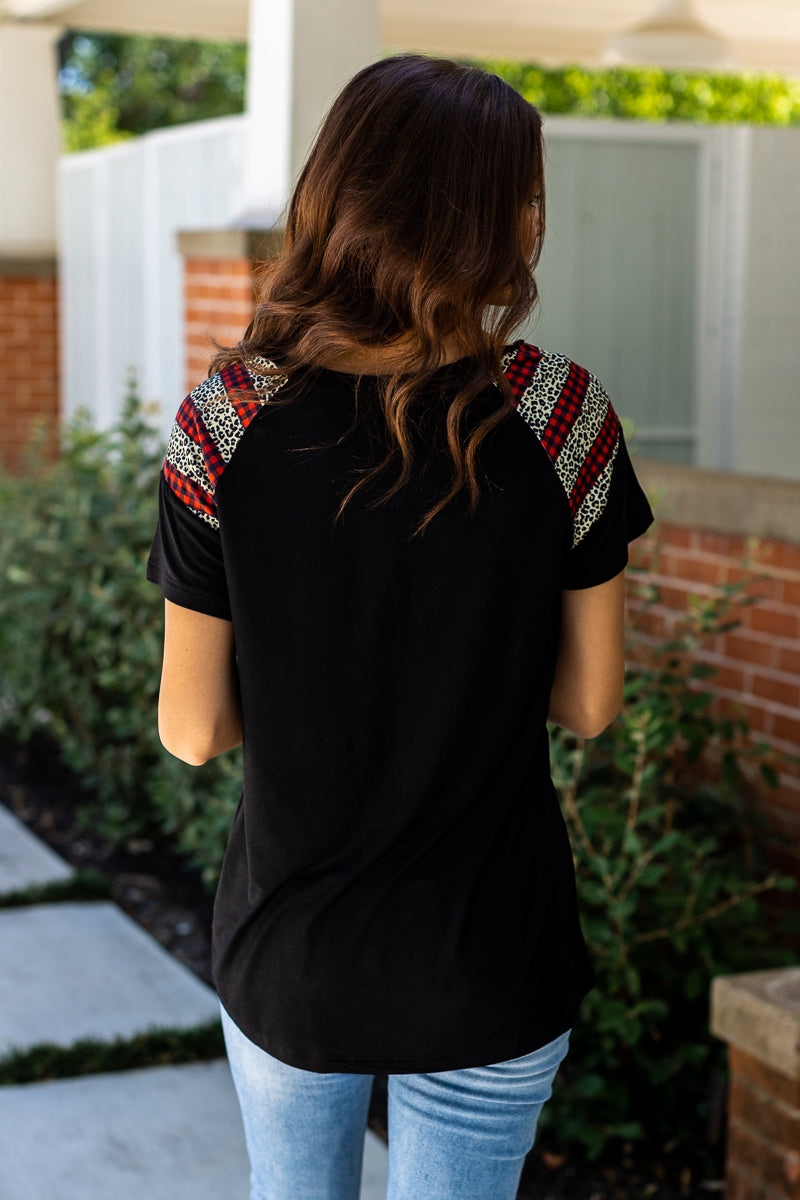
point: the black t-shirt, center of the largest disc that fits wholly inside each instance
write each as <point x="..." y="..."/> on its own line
<point x="398" y="891"/>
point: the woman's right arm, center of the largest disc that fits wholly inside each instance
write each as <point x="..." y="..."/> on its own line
<point x="590" y="668"/>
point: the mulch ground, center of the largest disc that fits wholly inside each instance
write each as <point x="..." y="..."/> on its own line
<point x="153" y="884"/>
<point x="150" y="882"/>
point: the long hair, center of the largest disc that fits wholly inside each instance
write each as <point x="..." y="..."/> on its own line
<point x="406" y="227"/>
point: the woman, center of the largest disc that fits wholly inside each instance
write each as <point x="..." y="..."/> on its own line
<point x="392" y="545"/>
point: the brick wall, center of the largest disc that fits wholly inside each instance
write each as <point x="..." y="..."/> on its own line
<point x="763" y="1150"/>
<point x="28" y="356"/>
<point x="757" y="664"/>
<point x="218" y="300"/>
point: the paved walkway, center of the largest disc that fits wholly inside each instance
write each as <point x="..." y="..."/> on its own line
<point x="85" y="969"/>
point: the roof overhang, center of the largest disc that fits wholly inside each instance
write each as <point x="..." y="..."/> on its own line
<point x="762" y="37"/>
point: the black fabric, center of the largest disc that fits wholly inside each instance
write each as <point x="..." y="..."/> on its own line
<point x="398" y="892"/>
<point x="186" y="558"/>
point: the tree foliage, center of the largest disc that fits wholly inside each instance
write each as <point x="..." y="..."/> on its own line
<point x="114" y="86"/>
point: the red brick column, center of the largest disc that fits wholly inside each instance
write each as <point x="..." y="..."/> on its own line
<point x="218" y="300"/>
<point x="28" y="356"/>
<point x="763" y="1154"/>
<point x="218" y="291"/>
<point x="758" y="1014"/>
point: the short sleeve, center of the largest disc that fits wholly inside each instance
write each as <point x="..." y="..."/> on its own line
<point x="186" y="559"/>
<point x="614" y="511"/>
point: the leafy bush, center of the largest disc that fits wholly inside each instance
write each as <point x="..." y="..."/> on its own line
<point x="81" y="636"/>
<point x="670" y="873"/>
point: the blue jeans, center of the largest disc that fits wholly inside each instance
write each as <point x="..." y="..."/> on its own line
<point x="453" y="1135"/>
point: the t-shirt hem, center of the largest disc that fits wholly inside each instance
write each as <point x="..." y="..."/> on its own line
<point x="379" y="1065"/>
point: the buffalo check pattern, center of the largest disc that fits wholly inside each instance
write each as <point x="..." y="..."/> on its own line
<point x="207" y="429"/>
<point x="564" y="405"/>
<point x="571" y="414"/>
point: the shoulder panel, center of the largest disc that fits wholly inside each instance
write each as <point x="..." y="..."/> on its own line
<point x="571" y="414"/>
<point x="207" y="429"/>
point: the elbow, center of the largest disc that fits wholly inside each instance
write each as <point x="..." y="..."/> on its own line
<point x="187" y="754"/>
<point x="593" y="728"/>
<point x="192" y="757"/>
<point x="191" y="752"/>
<point x="582" y="725"/>
<point x="597" y="723"/>
<point x="590" y="724"/>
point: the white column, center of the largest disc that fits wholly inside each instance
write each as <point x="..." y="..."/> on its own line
<point x="300" y="54"/>
<point x="30" y="140"/>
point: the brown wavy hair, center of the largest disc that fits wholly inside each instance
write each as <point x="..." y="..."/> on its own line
<point x="407" y="227"/>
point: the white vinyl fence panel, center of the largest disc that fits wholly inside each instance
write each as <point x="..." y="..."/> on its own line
<point x="121" y="209"/>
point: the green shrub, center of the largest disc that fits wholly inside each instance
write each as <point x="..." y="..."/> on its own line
<point x="670" y="872"/>
<point x="81" y="636"/>
<point x="650" y="94"/>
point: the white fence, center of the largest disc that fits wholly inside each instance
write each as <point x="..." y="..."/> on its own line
<point x="669" y="270"/>
<point x="121" y="276"/>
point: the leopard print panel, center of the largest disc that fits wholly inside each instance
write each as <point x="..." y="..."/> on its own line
<point x="543" y="389"/>
<point x="565" y="406"/>
<point x="207" y="430"/>
<point x="594" y="502"/>
<point x="571" y="414"/>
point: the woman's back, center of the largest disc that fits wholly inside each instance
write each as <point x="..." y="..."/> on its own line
<point x="372" y="582"/>
<point x="398" y="891"/>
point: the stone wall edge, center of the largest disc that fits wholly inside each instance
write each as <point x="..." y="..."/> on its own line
<point x="725" y="501"/>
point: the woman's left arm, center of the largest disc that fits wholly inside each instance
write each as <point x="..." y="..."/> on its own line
<point x="199" y="707"/>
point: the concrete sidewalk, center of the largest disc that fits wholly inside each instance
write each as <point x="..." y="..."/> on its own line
<point x="85" y="969"/>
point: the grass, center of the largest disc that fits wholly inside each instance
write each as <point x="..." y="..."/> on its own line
<point x="91" y="1056"/>
<point x="86" y="884"/>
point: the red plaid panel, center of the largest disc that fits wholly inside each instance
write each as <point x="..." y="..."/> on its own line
<point x="192" y="424"/>
<point x="189" y="492"/>
<point x="596" y="459"/>
<point x="566" y="410"/>
<point x="208" y="463"/>
<point x="522" y="368"/>
<point x="566" y="413"/>
<point x="215" y="463"/>
<point x="236" y="378"/>
<point x="186" y="417"/>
